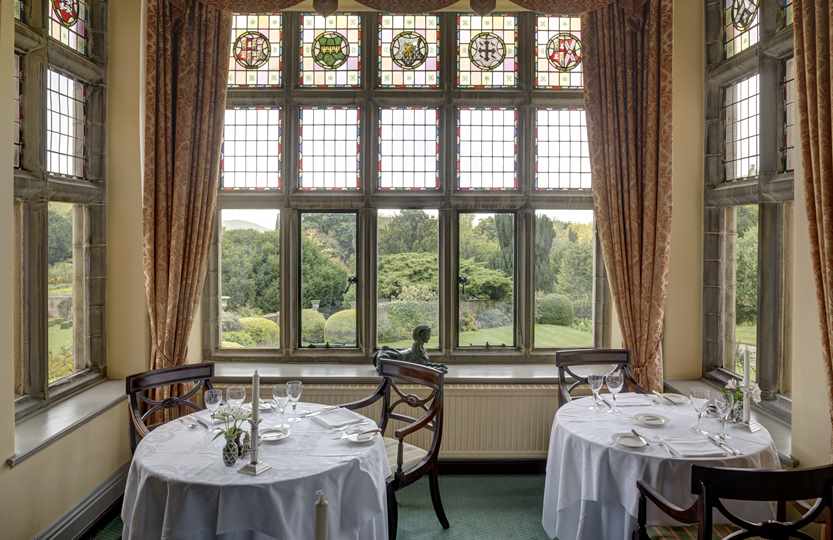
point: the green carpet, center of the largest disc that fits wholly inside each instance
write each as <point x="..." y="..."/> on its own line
<point x="478" y="508"/>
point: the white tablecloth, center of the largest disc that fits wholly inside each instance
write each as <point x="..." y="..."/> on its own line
<point x="179" y="488"/>
<point x="591" y="488"/>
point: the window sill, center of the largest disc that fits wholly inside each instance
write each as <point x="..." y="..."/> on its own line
<point x="241" y="372"/>
<point x="778" y="428"/>
<point x="44" y="428"/>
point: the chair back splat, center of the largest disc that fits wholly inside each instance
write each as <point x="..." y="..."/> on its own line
<point x="571" y="362"/>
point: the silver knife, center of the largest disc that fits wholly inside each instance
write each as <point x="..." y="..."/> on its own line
<point x="360" y="433"/>
<point x="720" y="445"/>
<point x="663" y="396"/>
<point x="609" y="406"/>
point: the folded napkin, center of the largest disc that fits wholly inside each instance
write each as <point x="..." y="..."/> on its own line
<point x="337" y="418"/>
<point x="695" y="448"/>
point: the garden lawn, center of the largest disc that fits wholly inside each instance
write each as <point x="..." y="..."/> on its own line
<point x="59" y="365"/>
<point x="546" y="336"/>
<point x="746" y="333"/>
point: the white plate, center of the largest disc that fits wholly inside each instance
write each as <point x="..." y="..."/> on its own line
<point x="274" y="435"/>
<point x="650" y="419"/>
<point x="360" y="438"/>
<point x="629" y="440"/>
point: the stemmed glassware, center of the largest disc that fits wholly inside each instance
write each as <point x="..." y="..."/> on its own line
<point x="293" y="390"/>
<point x="724" y="402"/>
<point x="595" y="381"/>
<point x="615" y="382"/>
<point x="281" y="400"/>
<point x="700" y="401"/>
<point x="213" y="399"/>
<point x="235" y="396"/>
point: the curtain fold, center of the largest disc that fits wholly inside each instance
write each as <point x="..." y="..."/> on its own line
<point x="813" y="36"/>
<point x="186" y="78"/>
<point x="627" y="88"/>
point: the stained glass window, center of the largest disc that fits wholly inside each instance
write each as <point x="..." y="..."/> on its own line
<point x="487" y="149"/>
<point x="790" y="115"/>
<point x="562" y="155"/>
<point x="329" y="148"/>
<point x="787" y="11"/>
<point x="409" y="51"/>
<point x="18" y="136"/>
<point x="740" y="123"/>
<point x="409" y="149"/>
<point x="68" y="21"/>
<point x="65" y="125"/>
<point x="331" y="51"/>
<point x="487" y="55"/>
<point x="558" y="52"/>
<point x="252" y="149"/>
<point x="740" y="25"/>
<point x="256" y="50"/>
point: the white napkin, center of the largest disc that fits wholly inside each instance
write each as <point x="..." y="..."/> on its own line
<point x="695" y="448"/>
<point x="337" y="418"/>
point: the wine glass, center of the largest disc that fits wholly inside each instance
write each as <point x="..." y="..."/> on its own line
<point x="596" y="381"/>
<point x="700" y="401"/>
<point x="235" y="396"/>
<point x="212" y="399"/>
<point x="724" y="402"/>
<point x="293" y="390"/>
<point x="615" y="382"/>
<point x="281" y="400"/>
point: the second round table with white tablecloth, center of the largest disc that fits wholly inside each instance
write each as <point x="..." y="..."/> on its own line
<point x="179" y="488"/>
<point x="591" y="491"/>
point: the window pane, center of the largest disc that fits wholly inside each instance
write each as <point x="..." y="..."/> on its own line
<point x="68" y="21"/>
<point x="563" y="268"/>
<point x="787" y="12"/>
<point x="251" y="149"/>
<point x="65" y="125"/>
<point x="409" y="141"/>
<point x="741" y="291"/>
<point x="740" y="125"/>
<point x="407" y="276"/>
<point x="21" y="373"/>
<point x="740" y="25"/>
<point x="486" y="280"/>
<point x="487" y="54"/>
<point x="18" y="125"/>
<point x="790" y="116"/>
<point x="330" y="51"/>
<point x="409" y="51"/>
<point x="328" y="273"/>
<point x="250" y="285"/>
<point x="558" y="52"/>
<point x="785" y="368"/>
<point x="18" y="9"/>
<point x="330" y="148"/>
<point x="562" y="154"/>
<point x="65" y="293"/>
<point x="256" y="50"/>
<point x="487" y="143"/>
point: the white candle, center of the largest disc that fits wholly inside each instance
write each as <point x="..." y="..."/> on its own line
<point x="746" y="368"/>
<point x="255" y="396"/>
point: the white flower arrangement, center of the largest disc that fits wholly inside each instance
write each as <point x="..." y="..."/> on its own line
<point x="752" y="389"/>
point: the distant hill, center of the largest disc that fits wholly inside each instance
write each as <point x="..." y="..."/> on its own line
<point x="237" y="224"/>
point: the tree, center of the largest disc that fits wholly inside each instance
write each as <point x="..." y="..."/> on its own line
<point x="60" y="237"/>
<point x="251" y="270"/>
<point x="323" y="276"/>
<point x="544" y="236"/>
<point x="505" y="227"/>
<point x="408" y="232"/>
<point x="575" y="274"/>
<point x="334" y="230"/>
<point x="746" y="276"/>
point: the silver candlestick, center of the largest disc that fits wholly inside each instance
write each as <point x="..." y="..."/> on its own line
<point x="253" y="467"/>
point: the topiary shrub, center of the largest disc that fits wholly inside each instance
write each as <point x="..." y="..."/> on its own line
<point x="554" y="309"/>
<point x="241" y="338"/>
<point x="230" y="322"/>
<point x="340" y="328"/>
<point x="262" y="331"/>
<point x="494" y="318"/>
<point x="312" y="326"/>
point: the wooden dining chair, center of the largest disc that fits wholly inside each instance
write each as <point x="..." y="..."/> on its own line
<point x="147" y="413"/>
<point x="569" y="361"/>
<point x="713" y="485"/>
<point x="408" y="462"/>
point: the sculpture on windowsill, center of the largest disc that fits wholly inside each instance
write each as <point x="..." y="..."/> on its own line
<point x="415" y="354"/>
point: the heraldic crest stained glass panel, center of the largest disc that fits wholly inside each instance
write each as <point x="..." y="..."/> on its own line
<point x="330" y="51"/>
<point x="409" y="51"/>
<point x="256" y="50"/>
<point x="68" y="21"/>
<point x="487" y="51"/>
<point x="558" y="53"/>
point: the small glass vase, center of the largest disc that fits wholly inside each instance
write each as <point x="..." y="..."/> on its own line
<point x="230" y="453"/>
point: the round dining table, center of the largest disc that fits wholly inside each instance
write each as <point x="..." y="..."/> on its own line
<point x="591" y="491"/>
<point x="179" y="488"/>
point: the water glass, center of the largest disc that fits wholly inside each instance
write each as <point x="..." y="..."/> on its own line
<point x="700" y="401"/>
<point x="615" y="382"/>
<point x="281" y="400"/>
<point x="236" y="395"/>
<point x="293" y="390"/>
<point x="596" y="382"/>
<point x="212" y="399"/>
<point x="724" y="402"/>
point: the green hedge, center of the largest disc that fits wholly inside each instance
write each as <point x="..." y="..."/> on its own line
<point x="341" y="328"/>
<point x="262" y="331"/>
<point x="554" y="309"/>
<point x="312" y="326"/>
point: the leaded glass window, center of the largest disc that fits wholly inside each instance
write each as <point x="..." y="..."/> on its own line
<point x="18" y="9"/>
<point x="558" y="52"/>
<point x="329" y="148"/>
<point x="487" y="142"/>
<point x="409" y="148"/>
<point x="790" y="116"/>
<point x="562" y="152"/>
<point x="740" y="124"/>
<point x="251" y="158"/>
<point x="331" y="51"/>
<point x="409" y="51"/>
<point x="740" y="25"/>
<point x="68" y="21"/>
<point x="487" y="54"/>
<point x="65" y="125"/>
<point x="256" y="50"/>
<point x="787" y="11"/>
<point x="18" y="110"/>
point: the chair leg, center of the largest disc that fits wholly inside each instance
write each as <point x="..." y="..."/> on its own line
<point x="393" y="514"/>
<point x="434" y="483"/>
<point x="641" y="532"/>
